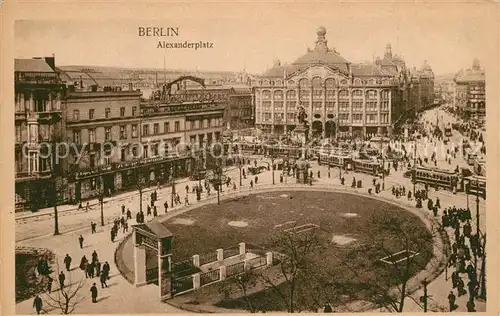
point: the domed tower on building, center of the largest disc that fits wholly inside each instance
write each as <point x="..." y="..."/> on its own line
<point x="340" y="98"/>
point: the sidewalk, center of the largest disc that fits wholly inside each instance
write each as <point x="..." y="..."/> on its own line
<point x="93" y="202"/>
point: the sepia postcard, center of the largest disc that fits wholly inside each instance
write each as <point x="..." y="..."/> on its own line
<point x="249" y="157"/>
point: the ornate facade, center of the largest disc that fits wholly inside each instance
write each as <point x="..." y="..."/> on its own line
<point x="338" y="96"/>
<point x="470" y="94"/>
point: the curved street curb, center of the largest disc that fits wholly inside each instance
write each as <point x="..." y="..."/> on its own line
<point x="433" y="269"/>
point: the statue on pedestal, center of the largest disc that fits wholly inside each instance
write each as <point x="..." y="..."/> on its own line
<point x="302" y="128"/>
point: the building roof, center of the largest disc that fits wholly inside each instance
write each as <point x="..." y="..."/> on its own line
<point x="320" y="55"/>
<point x="155" y="228"/>
<point x="368" y="70"/>
<point x="470" y="76"/>
<point x="31" y="65"/>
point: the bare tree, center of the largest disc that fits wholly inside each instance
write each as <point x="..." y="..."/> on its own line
<point x="67" y="298"/>
<point x="404" y="250"/>
<point x="297" y="249"/>
<point x="243" y="282"/>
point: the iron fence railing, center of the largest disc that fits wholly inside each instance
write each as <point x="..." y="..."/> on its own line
<point x="209" y="277"/>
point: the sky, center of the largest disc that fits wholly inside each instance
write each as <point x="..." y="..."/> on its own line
<point x="252" y="36"/>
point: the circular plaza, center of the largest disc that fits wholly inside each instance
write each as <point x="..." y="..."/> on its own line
<point x="361" y="242"/>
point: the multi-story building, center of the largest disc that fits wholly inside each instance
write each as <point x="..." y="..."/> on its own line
<point x="102" y="125"/>
<point x="176" y="131"/>
<point x="470" y="94"/>
<point x="338" y="96"/>
<point x="236" y="98"/>
<point x="38" y="122"/>
<point x="239" y="110"/>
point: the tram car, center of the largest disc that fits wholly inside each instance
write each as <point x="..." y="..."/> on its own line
<point x="341" y="160"/>
<point x="436" y="178"/>
<point x="247" y="148"/>
<point x="367" y="166"/>
<point x="476" y="185"/>
<point x="283" y="151"/>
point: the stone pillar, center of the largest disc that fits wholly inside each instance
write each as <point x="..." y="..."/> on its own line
<point x="32" y="103"/>
<point x="269" y="258"/>
<point x="196" y="261"/>
<point x="220" y="254"/>
<point x="222" y="271"/>
<point x="196" y="281"/>
<point x="139" y="263"/>
<point x="242" y="248"/>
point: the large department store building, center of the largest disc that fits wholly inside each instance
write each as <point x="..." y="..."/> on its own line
<point x="339" y="97"/>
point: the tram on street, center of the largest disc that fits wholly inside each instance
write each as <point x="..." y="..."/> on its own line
<point x="436" y="177"/>
<point x="283" y="151"/>
<point x="341" y="160"/>
<point x="247" y="148"/>
<point x="367" y="166"/>
<point x="470" y="156"/>
<point x="476" y="185"/>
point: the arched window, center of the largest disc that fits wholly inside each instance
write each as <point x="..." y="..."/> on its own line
<point x="343" y="82"/>
<point x="357" y="82"/>
<point x="371" y="94"/>
<point x="278" y="82"/>
<point x="291" y="82"/>
<point x="357" y="94"/>
<point x="330" y="83"/>
<point x="278" y="95"/>
<point x="304" y="83"/>
<point x="384" y="95"/>
<point x="373" y="81"/>
<point x="291" y="94"/>
<point x="266" y="82"/>
<point x="266" y="95"/>
<point x="317" y="83"/>
<point x="343" y="94"/>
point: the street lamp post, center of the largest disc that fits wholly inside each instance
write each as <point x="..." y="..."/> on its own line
<point x="414" y="164"/>
<point x="173" y="185"/>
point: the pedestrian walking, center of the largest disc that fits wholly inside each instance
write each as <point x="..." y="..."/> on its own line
<point x="62" y="278"/>
<point x="165" y="205"/>
<point x="38" y="304"/>
<point x="67" y="262"/>
<point x="94" y="257"/>
<point x="123" y="209"/>
<point x="103" y="278"/>
<point x="93" y="291"/>
<point x="49" y="284"/>
<point x="98" y="268"/>
<point x="129" y="214"/>
<point x="80" y="241"/>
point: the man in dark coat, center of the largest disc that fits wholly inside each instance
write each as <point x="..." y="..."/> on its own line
<point x="98" y="268"/>
<point x="106" y="269"/>
<point x="67" y="262"/>
<point x="62" y="278"/>
<point x="103" y="277"/>
<point x="93" y="290"/>
<point x="94" y="257"/>
<point x="80" y="241"/>
<point x="90" y="269"/>
<point x="38" y="304"/>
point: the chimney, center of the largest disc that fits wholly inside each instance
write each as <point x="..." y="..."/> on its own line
<point x="51" y="61"/>
<point x="130" y="86"/>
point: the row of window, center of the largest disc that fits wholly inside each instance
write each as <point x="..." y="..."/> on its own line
<point x="317" y="94"/>
<point x="317" y="81"/>
<point x="107" y="113"/>
<point x="343" y="117"/>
